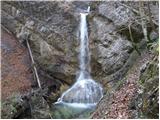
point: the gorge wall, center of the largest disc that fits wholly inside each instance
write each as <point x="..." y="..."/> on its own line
<point x="52" y="28"/>
<point x="53" y="32"/>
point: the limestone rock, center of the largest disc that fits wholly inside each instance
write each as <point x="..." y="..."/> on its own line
<point x="116" y="12"/>
<point x="53" y="29"/>
<point x="112" y="50"/>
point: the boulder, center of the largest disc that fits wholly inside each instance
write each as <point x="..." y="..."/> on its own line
<point x="110" y="50"/>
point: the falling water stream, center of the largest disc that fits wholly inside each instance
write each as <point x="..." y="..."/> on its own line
<point x="83" y="96"/>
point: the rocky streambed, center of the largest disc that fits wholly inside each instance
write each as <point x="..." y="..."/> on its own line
<point x="116" y="42"/>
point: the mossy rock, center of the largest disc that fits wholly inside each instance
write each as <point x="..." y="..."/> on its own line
<point x="148" y="96"/>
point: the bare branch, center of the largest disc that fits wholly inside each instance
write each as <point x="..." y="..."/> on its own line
<point x="35" y="69"/>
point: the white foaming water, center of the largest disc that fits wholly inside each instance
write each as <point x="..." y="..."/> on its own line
<point x="85" y="92"/>
<point x="84" y="57"/>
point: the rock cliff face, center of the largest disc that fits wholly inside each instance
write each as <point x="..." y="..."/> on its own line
<point x="53" y="32"/>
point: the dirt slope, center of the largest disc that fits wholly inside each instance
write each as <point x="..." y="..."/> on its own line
<point x="16" y="71"/>
<point x="118" y="108"/>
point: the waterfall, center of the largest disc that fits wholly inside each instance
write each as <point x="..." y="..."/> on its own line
<point x="84" y="56"/>
<point x="85" y="91"/>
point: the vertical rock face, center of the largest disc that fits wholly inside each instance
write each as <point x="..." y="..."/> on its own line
<point x="113" y="50"/>
<point x="120" y="15"/>
<point x="53" y="27"/>
<point x="52" y="34"/>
